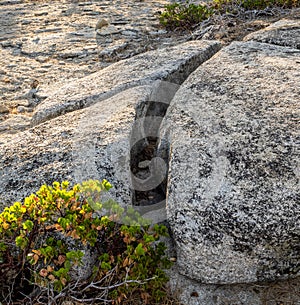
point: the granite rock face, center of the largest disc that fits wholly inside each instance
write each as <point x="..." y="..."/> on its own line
<point x="194" y="293"/>
<point x="171" y="64"/>
<point x="284" y="32"/>
<point x="229" y="137"/>
<point x="233" y="184"/>
<point x="57" y="43"/>
<point x="78" y="146"/>
<point x="94" y="142"/>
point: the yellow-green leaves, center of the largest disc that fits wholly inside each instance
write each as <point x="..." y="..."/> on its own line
<point x="21" y="242"/>
<point x="45" y="237"/>
<point x="139" y="251"/>
<point x="28" y="225"/>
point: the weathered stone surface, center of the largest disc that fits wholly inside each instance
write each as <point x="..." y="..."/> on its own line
<point x="108" y="30"/>
<point x="3" y="108"/>
<point x="233" y="185"/>
<point x="170" y="64"/>
<point x="94" y="142"/>
<point x="81" y="145"/>
<point x="114" y="48"/>
<point x="56" y="43"/>
<point x="284" y="32"/>
<point x="193" y="293"/>
<point x="14" y="123"/>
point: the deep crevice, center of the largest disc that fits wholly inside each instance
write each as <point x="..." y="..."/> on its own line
<point x="148" y="171"/>
<point x="149" y="167"/>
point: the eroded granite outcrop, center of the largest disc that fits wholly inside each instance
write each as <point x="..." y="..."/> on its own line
<point x="285" y="32"/>
<point x="171" y="64"/>
<point x="93" y="142"/>
<point x="233" y="185"/>
<point x="57" y="43"/>
<point x="78" y="146"/>
<point x="230" y="137"/>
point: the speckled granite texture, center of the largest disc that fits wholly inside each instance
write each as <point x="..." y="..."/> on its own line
<point x="233" y="185"/>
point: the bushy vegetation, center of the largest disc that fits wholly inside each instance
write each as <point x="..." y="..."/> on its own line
<point x="187" y="15"/>
<point x="44" y="240"/>
<point x="178" y="15"/>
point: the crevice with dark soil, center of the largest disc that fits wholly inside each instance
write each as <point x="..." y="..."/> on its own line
<point x="148" y="171"/>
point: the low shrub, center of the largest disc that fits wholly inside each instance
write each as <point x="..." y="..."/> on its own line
<point x="185" y="16"/>
<point x="43" y="241"/>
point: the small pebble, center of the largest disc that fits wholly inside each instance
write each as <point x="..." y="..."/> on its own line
<point x="101" y="23"/>
<point x="21" y="109"/>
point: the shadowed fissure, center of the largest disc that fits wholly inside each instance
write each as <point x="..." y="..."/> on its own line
<point x="148" y="164"/>
<point x="148" y="171"/>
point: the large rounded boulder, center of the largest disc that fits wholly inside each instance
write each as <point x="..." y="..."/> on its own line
<point x="233" y="185"/>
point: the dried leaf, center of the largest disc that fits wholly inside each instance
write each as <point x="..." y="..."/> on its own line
<point x="74" y="234"/>
<point x="43" y="272"/>
<point x="61" y="259"/>
<point x="126" y="262"/>
<point x="38" y="252"/>
<point x="35" y="258"/>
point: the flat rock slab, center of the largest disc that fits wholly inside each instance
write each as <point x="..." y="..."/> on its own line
<point x="171" y="64"/>
<point x="233" y="185"/>
<point x="85" y="144"/>
<point x="284" y="32"/>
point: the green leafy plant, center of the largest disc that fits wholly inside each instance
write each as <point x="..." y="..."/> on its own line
<point x="184" y="15"/>
<point x="44" y="239"/>
<point x="187" y="15"/>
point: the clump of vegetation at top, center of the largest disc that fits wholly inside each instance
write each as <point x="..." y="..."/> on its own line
<point x="230" y="5"/>
<point x="43" y="242"/>
<point x="187" y="15"/>
<point x="184" y="16"/>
